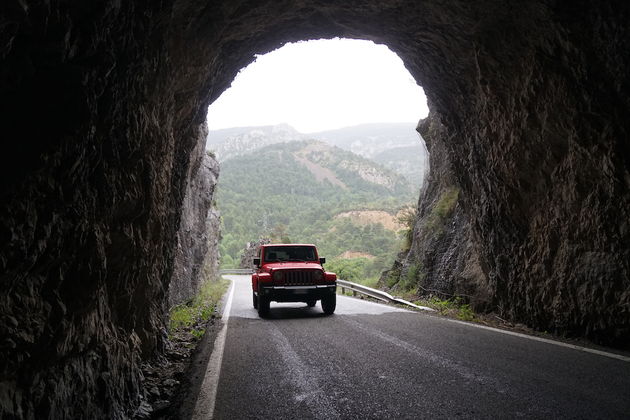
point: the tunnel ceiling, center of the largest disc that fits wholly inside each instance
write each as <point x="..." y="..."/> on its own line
<point x="102" y="107"/>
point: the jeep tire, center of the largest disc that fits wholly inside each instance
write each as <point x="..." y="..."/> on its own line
<point x="329" y="303"/>
<point x="255" y="300"/>
<point x="263" y="306"/>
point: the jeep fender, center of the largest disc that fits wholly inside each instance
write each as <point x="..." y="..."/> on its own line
<point x="258" y="278"/>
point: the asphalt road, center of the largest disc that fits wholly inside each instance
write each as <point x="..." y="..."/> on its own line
<point x="372" y="361"/>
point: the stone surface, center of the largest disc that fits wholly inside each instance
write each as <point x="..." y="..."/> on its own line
<point x="101" y="108"/>
<point x="198" y="232"/>
<point x="250" y="252"/>
<point x="213" y="236"/>
<point x="443" y="260"/>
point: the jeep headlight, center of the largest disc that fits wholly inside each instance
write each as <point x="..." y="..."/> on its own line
<point x="278" y="275"/>
<point x="319" y="275"/>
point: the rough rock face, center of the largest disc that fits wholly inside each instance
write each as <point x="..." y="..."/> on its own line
<point x="442" y="259"/>
<point x="198" y="231"/>
<point x="252" y="139"/>
<point x="213" y="236"/>
<point x="102" y="106"/>
<point x="250" y="252"/>
<point x="99" y="140"/>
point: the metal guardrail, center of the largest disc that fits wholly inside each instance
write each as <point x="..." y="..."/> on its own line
<point x="236" y="271"/>
<point x="354" y="287"/>
<point x="377" y="294"/>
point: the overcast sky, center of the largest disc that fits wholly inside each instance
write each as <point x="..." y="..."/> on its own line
<point x="321" y="85"/>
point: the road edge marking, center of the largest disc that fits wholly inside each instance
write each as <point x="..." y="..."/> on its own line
<point x="544" y="340"/>
<point x="204" y="407"/>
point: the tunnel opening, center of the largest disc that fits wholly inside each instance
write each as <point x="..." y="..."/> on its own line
<point x="354" y="107"/>
<point x="529" y="107"/>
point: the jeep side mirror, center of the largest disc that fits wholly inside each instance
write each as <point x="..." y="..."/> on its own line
<point x="257" y="262"/>
<point x="322" y="260"/>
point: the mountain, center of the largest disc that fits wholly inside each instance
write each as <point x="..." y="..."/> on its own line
<point x="232" y="142"/>
<point x="396" y="146"/>
<point x="310" y="191"/>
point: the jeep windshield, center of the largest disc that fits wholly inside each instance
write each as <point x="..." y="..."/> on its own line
<point x="290" y="253"/>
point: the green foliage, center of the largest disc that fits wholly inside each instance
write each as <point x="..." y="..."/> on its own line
<point x="450" y="307"/>
<point x="407" y="283"/>
<point x="392" y="278"/>
<point x="181" y="316"/>
<point x="407" y="217"/>
<point x="270" y="194"/>
<point x="446" y="203"/>
<point x="442" y="210"/>
<point x="226" y="260"/>
<point x="411" y="277"/>
<point x="466" y="313"/>
<point x="279" y="234"/>
<point x="352" y="269"/>
<point x="202" y="307"/>
<point x="198" y="333"/>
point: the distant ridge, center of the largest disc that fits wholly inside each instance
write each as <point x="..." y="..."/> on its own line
<point x="311" y="191"/>
<point x="216" y="137"/>
<point x="397" y="146"/>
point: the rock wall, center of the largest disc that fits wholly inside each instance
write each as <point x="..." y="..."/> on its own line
<point x="250" y="252"/>
<point x="442" y="259"/>
<point x="99" y="127"/>
<point x="101" y="108"/>
<point x="198" y="230"/>
<point x="539" y="151"/>
<point x="213" y="228"/>
<point x="542" y="158"/>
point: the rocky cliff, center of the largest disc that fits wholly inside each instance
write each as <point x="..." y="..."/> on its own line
<point x="442" y="258"/>
<point x="210" y="268"/>
<point x="393" y="145"/>
<point x="228" y="145"/>
<point x="250" y="252"/>
<point x="101" y="108"/>
<point x="198" y="232"/>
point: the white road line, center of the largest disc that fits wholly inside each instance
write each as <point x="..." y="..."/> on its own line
<point x="305" y="381"/>
<point x="545" y="340"/>
<point x="204" y="407"/>
<point x="530" y="337"/>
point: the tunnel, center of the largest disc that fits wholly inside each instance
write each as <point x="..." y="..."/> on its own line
<point x="103" y="111"/>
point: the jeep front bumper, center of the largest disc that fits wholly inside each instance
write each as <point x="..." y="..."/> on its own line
<point x="298" y="293"/>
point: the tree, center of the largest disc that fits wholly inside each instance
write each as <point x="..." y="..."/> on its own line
<point x="279" y="234"/>
<point x="350" y="269"/>
<point x="227" y="261"/>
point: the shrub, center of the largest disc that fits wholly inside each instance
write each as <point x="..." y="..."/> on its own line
<point x="452" y="307"/>
<point x="407" y="217"/>
<point x="348" y="269"/>
<point x="200" y="309"/>
<point x="442" y="210"/>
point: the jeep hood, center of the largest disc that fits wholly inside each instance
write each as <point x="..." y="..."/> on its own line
<point x="293" y="265"/>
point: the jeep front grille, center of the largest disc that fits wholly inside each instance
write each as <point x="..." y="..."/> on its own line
<point x="298" y="277"/>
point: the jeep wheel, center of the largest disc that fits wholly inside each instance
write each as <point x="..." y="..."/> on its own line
<point x="255" y="300"/>
<point x="329" y="303"/>
<point x="311" y="303"/>
<point x="263" y="306"/>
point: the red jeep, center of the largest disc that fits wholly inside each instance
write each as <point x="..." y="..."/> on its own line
<point x="292" y="273"/>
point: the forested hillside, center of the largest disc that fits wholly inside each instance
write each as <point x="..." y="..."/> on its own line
<point x="396" y="146"/>
<point x="312" y="192"/>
